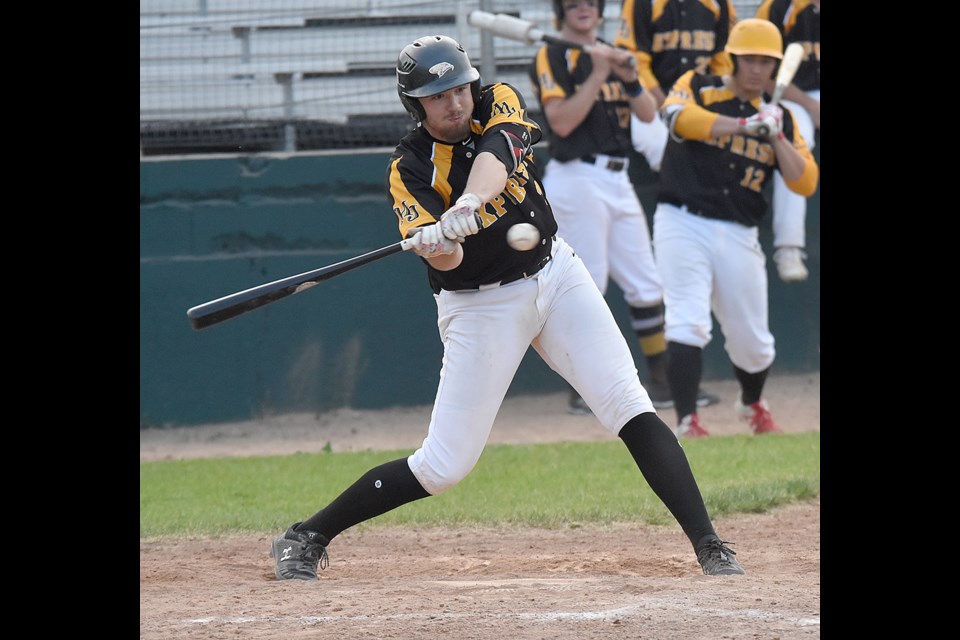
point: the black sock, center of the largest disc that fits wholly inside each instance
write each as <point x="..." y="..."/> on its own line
<point x="684" y="369"/>
<point x="379" y="490"/>
<point x="751" y="384"/>
<point x="664" y="465"/>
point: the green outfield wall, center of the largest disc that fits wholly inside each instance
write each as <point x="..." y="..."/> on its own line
<point x="366" y="339"/>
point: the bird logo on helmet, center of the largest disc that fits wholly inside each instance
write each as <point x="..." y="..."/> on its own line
<point x="432" y="65"/>
<point x="756" y="37"/>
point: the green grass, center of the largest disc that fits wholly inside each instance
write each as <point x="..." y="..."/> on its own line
<point x="548" y="485"/>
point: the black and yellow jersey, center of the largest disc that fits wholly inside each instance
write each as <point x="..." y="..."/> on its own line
<point x="557" y="72"/>
<point x="671" y="37"/>
<point x="722" y="178"/>
<point x="426" y="176"/>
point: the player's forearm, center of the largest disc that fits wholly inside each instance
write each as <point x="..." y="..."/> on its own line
<point x="447" y="261"/>
<point x="799" y="170"/>
<point x="487" y="178"/>
<point x="565" y="115"/>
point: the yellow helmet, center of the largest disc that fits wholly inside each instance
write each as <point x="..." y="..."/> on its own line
<point x="755" y="36"/>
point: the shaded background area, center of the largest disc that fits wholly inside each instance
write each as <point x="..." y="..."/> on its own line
<point x="366" y="339"/>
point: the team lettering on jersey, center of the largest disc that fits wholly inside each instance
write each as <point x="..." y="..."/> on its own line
<point x="407" y="212"/>
<point x="502" y="109"/>
<point x="697" y="40"/>
<point x="753" y="149"/>
<point x="515" y="189"/>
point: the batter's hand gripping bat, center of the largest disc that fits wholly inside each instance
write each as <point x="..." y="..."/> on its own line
<point x="511" y="28"/>
<point x="792" y="58"/>
<point x="235" y="304"/>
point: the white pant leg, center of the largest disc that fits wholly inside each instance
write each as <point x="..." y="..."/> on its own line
<point x="576" y="193"/>
<point x="632" y="265"/>
<point x="740" y="301"/>
<point x="582" y="342"/>
<point x="599" y="214"/>
<point x="789" y="208"/>
<point x="485" y="336"/>
<point x="713" y="266"/>
<point x="683" y="244"/>
<point x="649" y="139"/>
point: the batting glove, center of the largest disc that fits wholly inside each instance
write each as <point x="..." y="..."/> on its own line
<point x="462" y="219"/>
<point x="429" y="242"/>
<point x="761" y="125"/>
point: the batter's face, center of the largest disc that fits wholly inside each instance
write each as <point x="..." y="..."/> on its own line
<point x="753" y="73"/>
<point x="449" y="114"/>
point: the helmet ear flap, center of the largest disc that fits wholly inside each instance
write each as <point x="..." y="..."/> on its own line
<point x="413" y="106"/>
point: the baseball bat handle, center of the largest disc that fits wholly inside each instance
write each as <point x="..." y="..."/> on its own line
<point x="216" y="311"/>
<point x="631" y="61"/>
<point x="513" y="28"/>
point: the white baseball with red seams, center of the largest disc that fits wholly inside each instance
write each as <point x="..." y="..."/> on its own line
<point x="523" y="236"/>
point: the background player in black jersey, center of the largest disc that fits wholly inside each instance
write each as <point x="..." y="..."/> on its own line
<point x="669" y="38"/>
<point x="711" y="199"/>
<point x="588" y="100"/>
<point x="471" y="154"/>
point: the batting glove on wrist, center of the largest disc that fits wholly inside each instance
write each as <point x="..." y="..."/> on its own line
<point x="429" y="242"/>
<point x="462" y="219"/>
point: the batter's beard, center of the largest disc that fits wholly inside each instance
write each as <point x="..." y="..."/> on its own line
<point x="451" y="134"/>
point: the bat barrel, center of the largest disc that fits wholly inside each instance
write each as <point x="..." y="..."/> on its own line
<point x="235" y="304"/>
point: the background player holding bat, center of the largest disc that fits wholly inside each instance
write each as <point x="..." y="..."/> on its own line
<point x="588" y="99"/>
<point x="672" y="37"/>
<point x="711" y="200"/>
<point x="471" y="154"/>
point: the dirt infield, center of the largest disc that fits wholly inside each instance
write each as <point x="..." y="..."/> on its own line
<point x="581" y="582"/>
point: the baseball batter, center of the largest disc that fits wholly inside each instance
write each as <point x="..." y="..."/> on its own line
<point x="798" y="21"/>
<point x="710" y="202"/>
<point x="456" y="184"/>
<point x="588" y="99"/>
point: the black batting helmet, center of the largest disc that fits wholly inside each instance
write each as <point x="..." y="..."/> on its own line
<point x="432" y="65"/>
<point x="558" y="9"/>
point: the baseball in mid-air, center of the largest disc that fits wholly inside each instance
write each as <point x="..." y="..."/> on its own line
<point x="523" y="236"/>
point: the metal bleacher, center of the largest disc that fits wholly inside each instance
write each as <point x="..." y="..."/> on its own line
<point x="294" y="75"/>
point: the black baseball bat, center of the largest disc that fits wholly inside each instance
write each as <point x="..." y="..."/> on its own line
<point x="235" y="304"/>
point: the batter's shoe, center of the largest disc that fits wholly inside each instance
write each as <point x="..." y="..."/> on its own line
<point x="690" y="427"/>
<point x="577" y="406"/>
<point x="717" y="559"/>
<point x="298" y="553"/>
<point x="758" y="415"/>
<point x="790" y="264"/>
<point x="661" y="398"/>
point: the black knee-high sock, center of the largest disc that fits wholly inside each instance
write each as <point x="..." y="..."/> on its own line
<point x="751" y="384"/>
<point x="379" y="490"/>
<point x="664" y="465"/>
<point x="684" y="369"/>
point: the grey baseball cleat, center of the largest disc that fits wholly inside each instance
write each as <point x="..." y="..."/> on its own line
<point x="298" y="553"/>
<point x="717" y="559"/>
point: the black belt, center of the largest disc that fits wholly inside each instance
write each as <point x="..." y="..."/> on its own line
<point x="535" y="269"/>
<point x="680" y="205"/>
<point x="529" y="273"/>
<point x="612" y="164"/>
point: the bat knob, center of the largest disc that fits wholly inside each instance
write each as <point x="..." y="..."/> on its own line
<point x="763" y="131"/>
